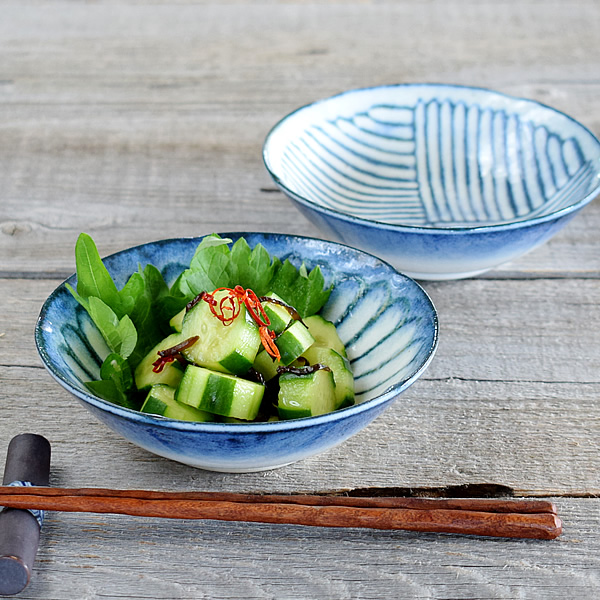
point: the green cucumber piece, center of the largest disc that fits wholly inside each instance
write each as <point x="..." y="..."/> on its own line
<point x="220" y="393"/>
<point x="171" y="373"/>
<point x="325" y="333"/>
<point x="340" y="367"/>
<point x="227" y="348"/>
<point x="161" y="401"/>
<point x="278" y="315"/>
<point x="291" y="343"/>
<point x="295" y="340"/>
<point x="266" y="365"/>
<point x="176" y="322"/>
<point x="306" y="395"/>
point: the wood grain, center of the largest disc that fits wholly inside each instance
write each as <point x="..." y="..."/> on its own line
<point x="251" y="561"/>
<point x="173" y="111"/>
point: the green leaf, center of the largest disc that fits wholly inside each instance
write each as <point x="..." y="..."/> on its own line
<point x="116" y="369"/>
<point x="119" y="334"/>
<point x="132" y="291"/>
<point x="156" y="287"/>
<point x="170" y="305"/>
<point x="93" y="279"/>
<point x="142" y="295"/>
<point x="255" y="268"/>
<point x="128" y="335"/>
<point x="303" y="290"/>
<point x="210" y="241"/>
<point x="107" y="390"/>
<point x="180" y="290"/>
<point x="117" y="382"/>
<point x="209" y="269"/>
<point x="82" y="301"/>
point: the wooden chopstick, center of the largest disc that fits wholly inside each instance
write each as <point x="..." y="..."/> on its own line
<point x="535" y="519"/>
<point x="477" y="504"/>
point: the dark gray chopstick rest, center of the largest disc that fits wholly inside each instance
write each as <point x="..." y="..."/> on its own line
<point x="27" y="460"/>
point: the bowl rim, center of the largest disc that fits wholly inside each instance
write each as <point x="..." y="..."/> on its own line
<point x="214" y="427"/>
<point x="424" y="229"/>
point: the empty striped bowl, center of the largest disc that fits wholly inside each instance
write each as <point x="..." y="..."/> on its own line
<point x="441" y="181"/>
<point x="385" y="319"/>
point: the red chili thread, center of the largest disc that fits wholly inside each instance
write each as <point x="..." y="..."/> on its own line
<point x="229" y="307"/>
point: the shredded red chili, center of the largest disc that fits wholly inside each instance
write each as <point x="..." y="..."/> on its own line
<point x="228" y="307"/>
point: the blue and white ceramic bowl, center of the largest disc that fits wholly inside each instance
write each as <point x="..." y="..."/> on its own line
<point x="386" y="320"/>
<point x="441" y="181"/>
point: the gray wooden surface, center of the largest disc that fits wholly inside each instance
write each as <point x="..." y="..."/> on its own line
<point x="141" y="120"/>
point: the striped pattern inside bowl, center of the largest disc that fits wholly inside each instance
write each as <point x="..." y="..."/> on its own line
<point x="437" y="162"/>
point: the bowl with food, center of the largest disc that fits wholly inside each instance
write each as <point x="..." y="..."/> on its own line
<point x="441" y="181"/>
<point x="236" y="352"/>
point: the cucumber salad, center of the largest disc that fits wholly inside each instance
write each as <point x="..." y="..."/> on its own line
<point x="236" y="338"/>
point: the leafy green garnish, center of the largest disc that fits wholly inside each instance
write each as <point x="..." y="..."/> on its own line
<point x="304" y="291"/>
<point x="255" y="268"/>
<point x="93" y="280"/>
<point x="119" y="334"/>
<point x="141" y="297"/>
<point x="216" y="265"/>
<point x="115" y="383"/>
<point x="209" y="269"/>
<point x="134" y="319"/>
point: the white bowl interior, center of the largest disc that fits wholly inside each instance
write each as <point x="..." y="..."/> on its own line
<point x="434" y="156"/>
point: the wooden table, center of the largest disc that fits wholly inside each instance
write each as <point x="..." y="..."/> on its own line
<point x="141" y="120"/>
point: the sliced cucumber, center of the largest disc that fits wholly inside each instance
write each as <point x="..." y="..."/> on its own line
<point x="306" y="395"/>
<point x="161" y="401"/>
<point x="342" y="374"/>
<point x="231" y="420"/>
<point x="227" y="348"/>
<point x="266" y="365"/>
<point x="325" y="333"/>
<point x="176" y="322"/>
<point x="171" y="373"/>
<point x="220" y="393"/>
<point x="295" y="340"/>
<point x="278" y="315"/>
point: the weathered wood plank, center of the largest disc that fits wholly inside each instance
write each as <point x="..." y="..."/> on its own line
<point x="171" y="117"/>
<point x="191" y="560"/>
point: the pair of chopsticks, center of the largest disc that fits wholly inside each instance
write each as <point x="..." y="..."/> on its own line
<point x="536" y="519"/>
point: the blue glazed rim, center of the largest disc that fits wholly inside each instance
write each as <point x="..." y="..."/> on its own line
<point x="250" y="428"/>
<point x="462" y="229"/>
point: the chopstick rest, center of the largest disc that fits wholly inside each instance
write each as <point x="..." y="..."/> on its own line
<point x="27" y="464"/>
